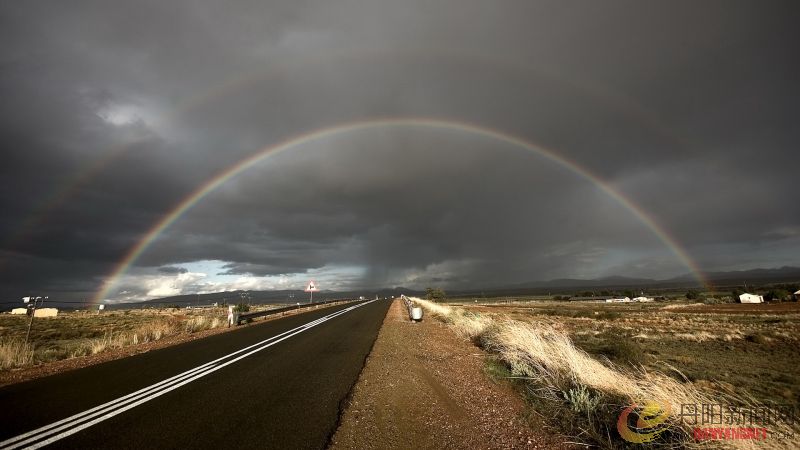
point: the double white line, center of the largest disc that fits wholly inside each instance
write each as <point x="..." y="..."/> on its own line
<point x="73" y="424"/>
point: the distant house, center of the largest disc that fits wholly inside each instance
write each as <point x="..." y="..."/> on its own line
<point x="618" y="300"/>
<point x="644" y="299"/>
<point x="751" y="298"/>
<point x="46" y="312"/>
<point x="20" y="311"/>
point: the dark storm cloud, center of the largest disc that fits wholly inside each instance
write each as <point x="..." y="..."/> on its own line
<point x="689" y="109"/>
<point x="172" y="270"/>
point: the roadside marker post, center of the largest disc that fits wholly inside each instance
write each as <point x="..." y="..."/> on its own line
<point x="233" y="316"/>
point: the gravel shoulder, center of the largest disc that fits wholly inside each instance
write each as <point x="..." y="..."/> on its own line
<point x="424" y="387"/>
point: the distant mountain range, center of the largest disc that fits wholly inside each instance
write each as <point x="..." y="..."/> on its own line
<point x="785" y="273"/>
<point x="754" y="276"/>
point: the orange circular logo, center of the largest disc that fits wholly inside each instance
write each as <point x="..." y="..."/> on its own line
<point x="650" y="421"/>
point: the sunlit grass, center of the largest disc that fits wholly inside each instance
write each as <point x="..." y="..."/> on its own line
<point x="588" y="393"/>
<point x="80" y="334"/>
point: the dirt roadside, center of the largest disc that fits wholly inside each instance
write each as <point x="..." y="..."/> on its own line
<point x="423" y="387"/>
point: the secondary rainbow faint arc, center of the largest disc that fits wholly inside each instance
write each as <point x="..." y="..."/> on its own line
<point x="349" y="127"/>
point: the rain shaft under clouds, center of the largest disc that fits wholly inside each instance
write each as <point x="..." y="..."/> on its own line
<point x="113" y="112"/>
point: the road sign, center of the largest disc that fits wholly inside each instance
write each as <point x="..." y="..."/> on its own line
<point x="311" y="287"/>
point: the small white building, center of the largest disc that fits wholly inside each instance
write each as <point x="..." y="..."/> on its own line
<point x="20" y="311"/>
<point x="644" y="299"/>
<point x="46" y="312"/>
<point x="751" y="298"/>
<point x="618" y="300"/>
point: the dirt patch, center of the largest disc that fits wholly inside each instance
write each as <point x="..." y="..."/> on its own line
<point x="423" y="387"/>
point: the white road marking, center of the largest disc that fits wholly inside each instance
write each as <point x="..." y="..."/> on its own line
<point x="77" y="422"/>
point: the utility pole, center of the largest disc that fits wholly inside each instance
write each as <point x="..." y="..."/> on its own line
<point x="32" y="309"/>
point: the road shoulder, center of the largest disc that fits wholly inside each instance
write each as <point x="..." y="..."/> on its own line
<point x="423" y="387"/>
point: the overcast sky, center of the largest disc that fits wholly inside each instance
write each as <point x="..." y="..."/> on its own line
<point x="113" y="112"/>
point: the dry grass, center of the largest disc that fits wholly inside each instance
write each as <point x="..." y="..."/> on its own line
<point x="561" y="374"/>
<point x="149" y="332"/>
<point x="201" y="323"/>
<point x="14" y="353"/>
<point x="87" y="334"/>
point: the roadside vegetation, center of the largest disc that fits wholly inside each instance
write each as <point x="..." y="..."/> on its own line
<point x="586" y="387"/>
<point x="82" y="333"/>
<point x="750" y="349"/>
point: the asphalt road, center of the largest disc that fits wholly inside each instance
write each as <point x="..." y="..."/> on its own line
<point x="277" y="384"/>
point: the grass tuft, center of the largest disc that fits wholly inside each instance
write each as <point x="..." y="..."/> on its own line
<point x="15" y="353"/>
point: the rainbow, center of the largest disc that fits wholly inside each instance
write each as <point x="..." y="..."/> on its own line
<point x="410" y="122"/>
<point x="73" y="184"/>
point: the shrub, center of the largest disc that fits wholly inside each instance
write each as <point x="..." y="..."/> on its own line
<point x="608" y="315"/>
<point x="757" y="338"/>
<point x="496" y="369"/>
<point x="581" y="400"/>
<point x="622" y="350"/>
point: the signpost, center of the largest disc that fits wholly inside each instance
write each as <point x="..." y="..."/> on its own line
<point x="311" y="288"/>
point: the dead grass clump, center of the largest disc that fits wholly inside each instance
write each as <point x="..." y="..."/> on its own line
<point x="200" y="323"/>
<point x="99" y="345"/>
<point x="15" y="353"/>
<point x="153" y="331"/>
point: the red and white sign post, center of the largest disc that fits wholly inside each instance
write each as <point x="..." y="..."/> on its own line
<point x="312" y="287"/>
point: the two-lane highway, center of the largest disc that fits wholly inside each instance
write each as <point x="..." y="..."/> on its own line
<point x="278" y="384"/>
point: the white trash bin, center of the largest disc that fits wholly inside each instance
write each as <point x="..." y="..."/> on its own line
<point x="416" y="313"/>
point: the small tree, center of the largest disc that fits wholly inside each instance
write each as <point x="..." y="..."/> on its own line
<point x="692" y="294"/>
<point x="776" y="295"/>
<point x="435" y="294"/>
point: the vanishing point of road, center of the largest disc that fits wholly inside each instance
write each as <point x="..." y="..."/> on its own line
<point x="276" y="384"/>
